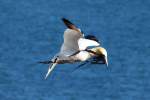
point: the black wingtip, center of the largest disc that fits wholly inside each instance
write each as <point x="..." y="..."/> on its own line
<point x="92" y="37"/>
<point x="68" y="23"/>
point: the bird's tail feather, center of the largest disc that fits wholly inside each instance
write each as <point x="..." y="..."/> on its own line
<point x="51" y="67"/>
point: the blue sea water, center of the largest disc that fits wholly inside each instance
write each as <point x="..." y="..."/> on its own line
<point x="32" y="30"/>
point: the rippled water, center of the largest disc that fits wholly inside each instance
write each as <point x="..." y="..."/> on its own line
<point x="31" y="30"/>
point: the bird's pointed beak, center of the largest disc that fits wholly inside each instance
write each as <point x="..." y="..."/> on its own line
<point x="51" y="67"/>
<point x="106" y="61"/>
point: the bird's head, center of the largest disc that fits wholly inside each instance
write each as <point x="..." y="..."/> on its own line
<point x="102" y="53"/>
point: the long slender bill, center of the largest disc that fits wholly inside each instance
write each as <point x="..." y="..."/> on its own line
<point x="51" y="67"/>
<point x="106" y="61"/>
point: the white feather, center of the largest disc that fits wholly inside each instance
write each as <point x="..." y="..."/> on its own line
<point x="83" y="55"/>
<point x="84" y="43"/>
<point x="51" y="67"/>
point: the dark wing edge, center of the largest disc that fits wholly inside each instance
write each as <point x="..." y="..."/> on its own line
<point x="70" y="25"/>
<point x="92" y="37"/>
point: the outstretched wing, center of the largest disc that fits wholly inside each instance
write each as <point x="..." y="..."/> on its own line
<point x="84" y="43"/>
<point x="74" y="40"/>
<point x="92" y="37"/>
<point x="71" y="37"/>
<point x="88" y="40"/>
<point x="70" y="44"/>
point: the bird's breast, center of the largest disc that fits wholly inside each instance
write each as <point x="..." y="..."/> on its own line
<point x="83" y="55"/>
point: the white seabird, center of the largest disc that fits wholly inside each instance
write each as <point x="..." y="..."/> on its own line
<point x="74" y="47"/>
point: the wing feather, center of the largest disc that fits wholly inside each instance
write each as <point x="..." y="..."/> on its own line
<point x="70" y="44"/>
